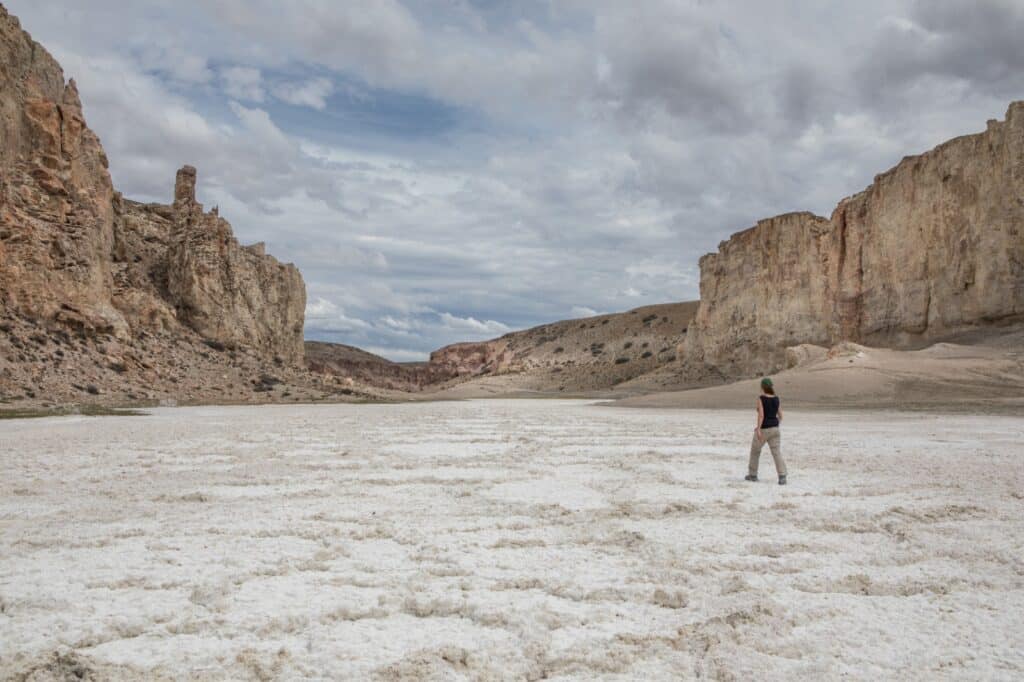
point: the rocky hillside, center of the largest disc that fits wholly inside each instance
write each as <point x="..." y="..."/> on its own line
<point x="99" y="294"/>
<point x="589" y="354"/>
<point x="932" y="248"/>
<point x="643" y="338"/>
<point x="358" y="367"/>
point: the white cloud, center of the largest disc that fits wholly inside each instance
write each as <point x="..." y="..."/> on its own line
<point x="320" y="309"/>
<point x="473" y="325"/>
<point x="398" y="354"/>
<point x="582" y="311"/>
<point x="401" y="325"/>
<point x="175" y="62"/>
<point x="325" y="316"/>
<point x="311" y="93"/>
<point x="243" y="83"/>
<point x="264" y="133"/>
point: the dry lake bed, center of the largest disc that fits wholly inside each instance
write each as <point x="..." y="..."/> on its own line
<point x="509" y="540"/>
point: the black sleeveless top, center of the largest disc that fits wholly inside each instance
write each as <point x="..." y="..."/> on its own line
<point x="770" y="403"/>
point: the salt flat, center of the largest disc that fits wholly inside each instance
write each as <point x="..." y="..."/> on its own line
<point x="510" y="540"/>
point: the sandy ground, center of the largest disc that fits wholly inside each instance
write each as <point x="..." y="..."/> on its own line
<point x="509" y="540"/>
<point x="946" y="376"/>
<point x="982" y="372"/>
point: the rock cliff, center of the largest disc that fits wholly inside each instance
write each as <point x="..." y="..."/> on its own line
<point x="75" y="255"/>
<point x="234" y="294"/>
<point x="934" y="247"/>
<point x="56" y="210"/>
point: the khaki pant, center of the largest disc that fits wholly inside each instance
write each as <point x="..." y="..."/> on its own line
<point x="774" y="440"/>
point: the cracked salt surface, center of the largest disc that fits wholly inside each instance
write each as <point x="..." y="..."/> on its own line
<point x="509" y="540"/>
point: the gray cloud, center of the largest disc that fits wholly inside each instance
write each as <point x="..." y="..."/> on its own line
<point x="671" y="58"/>
<point x="977" y="44"/>
<point x="445" y="170"/>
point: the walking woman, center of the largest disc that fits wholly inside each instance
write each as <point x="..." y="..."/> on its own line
<point x="769" y="415"/>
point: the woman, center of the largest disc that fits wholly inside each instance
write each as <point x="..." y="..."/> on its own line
<point x="769" y="415"/>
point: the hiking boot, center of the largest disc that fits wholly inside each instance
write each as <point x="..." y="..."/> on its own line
<point x="782" y="479"/>
<point x="750" y="477"/>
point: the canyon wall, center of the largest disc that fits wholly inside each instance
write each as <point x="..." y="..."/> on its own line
<point x="76" y="255"/>
<point x="56" y="212"/>
<point x="933" y="247"/>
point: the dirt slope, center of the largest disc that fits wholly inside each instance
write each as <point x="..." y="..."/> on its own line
<point x="986" y="375"/>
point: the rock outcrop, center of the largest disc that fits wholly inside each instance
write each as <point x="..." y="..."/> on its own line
<point x="76" y="256"/>
<point x="934" y="247"/>
<point x="56" y="211"/>
<point x="471" y="358"/>
<point x="236" y="295"/>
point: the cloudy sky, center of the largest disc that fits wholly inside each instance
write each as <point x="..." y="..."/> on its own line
<point x="445" y="170"/>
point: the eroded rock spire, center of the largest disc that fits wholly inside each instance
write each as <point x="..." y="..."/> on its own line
<point x="185" y="187"/>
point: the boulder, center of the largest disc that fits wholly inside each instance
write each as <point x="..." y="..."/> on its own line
<point x="804" y="354"/>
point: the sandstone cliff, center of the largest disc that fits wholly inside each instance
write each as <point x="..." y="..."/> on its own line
<point x="933" y="247"/>
<point x="75" y="255"/>
<point x="237" y="295"/>
<point x="56" y="211"/>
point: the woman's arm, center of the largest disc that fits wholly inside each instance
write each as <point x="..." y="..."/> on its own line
<point x="780" y="411"/>
<point x="760" y="419"/>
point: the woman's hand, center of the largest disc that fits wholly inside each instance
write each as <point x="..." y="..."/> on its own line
<point x="760" y="436"/>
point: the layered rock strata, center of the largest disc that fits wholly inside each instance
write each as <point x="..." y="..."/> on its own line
<point x="934" y="247"/>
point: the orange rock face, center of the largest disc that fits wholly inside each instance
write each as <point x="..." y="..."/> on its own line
<point x="472" y="358"/>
